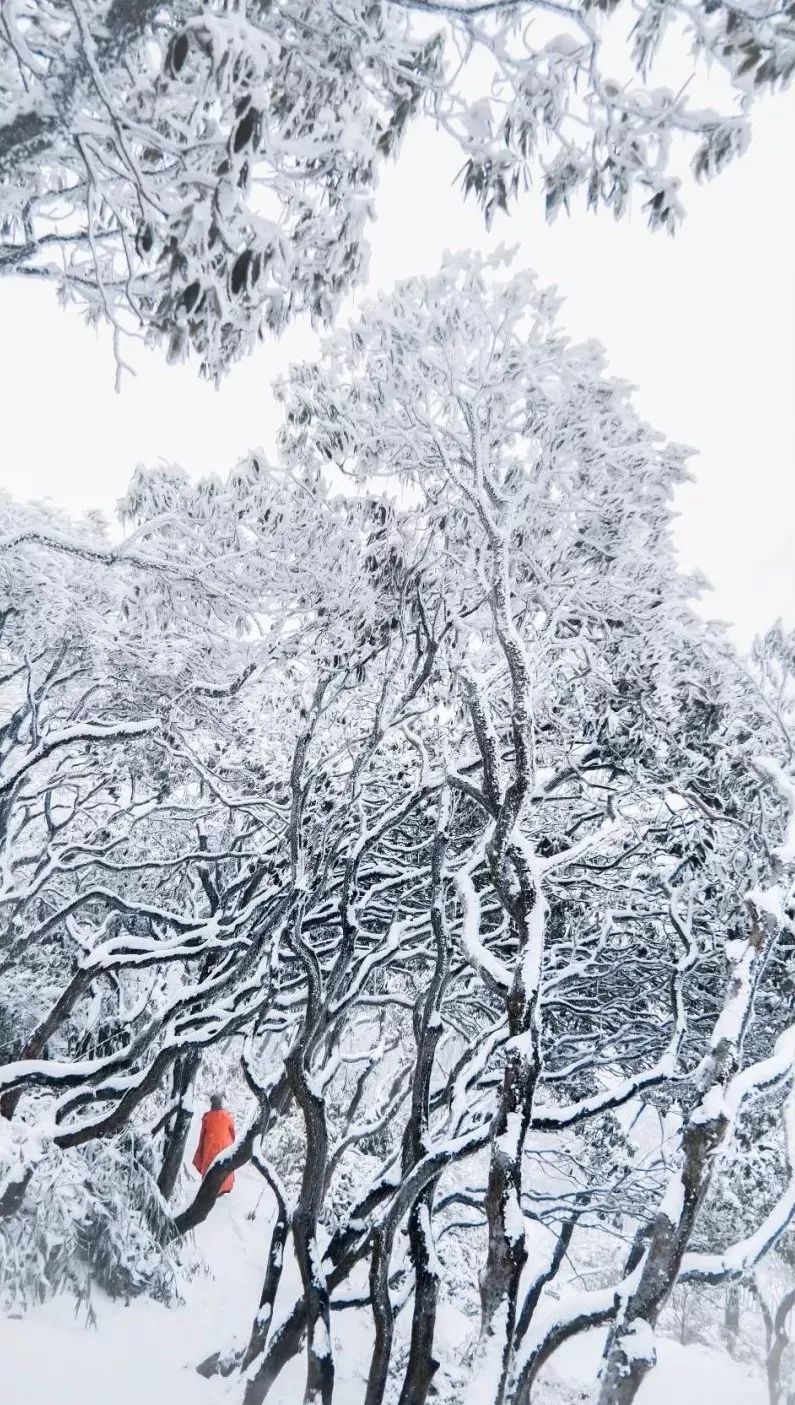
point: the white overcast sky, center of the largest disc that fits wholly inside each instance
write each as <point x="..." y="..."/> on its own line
<point x="702" y="324"/>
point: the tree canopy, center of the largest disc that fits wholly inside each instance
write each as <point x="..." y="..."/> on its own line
<point x="359" y="772"/>
<point x="202" y="173"/>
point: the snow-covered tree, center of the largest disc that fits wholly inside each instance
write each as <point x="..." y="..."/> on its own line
<point x="549" y="506"/>
<point x="406" y="777"/>
<point x="204" y="171"/>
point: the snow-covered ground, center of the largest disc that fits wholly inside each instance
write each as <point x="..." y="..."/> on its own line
<point x="146" y="1354"/>
<point x="690" y="1375"/>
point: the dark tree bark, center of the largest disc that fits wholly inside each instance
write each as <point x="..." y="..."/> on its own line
<point x="273" y="1271"/>
<point x="545" y="1276"/>
<point x="381" y="1306"/>
<point x="422" y="1363"/>
<point x="628" y="1358"/>
<point x="628" y="1354"/>
<point x="14" y="1194"/>
<point x="345" y="1249"/>
<point x="320" y="1361"/>
<point x="178" y="1126"/>
<point x="570" y="1327"/>
<point x="217" y="1364"/>
<point x="507" y="1252"/>
<point x="554" y="1338"/>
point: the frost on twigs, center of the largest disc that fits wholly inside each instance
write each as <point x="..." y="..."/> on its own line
<point x="201" y="174"/>
<point x="88" y="1219"/>
<point x="355" y="788"/>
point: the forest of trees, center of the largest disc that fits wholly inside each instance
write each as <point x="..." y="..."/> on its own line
<point x="399" y="778"/>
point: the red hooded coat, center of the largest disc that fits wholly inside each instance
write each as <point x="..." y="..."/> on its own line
<point x="217" y="1133"/>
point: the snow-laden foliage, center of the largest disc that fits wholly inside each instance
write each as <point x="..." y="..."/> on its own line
<point x="404" y="779"/>
<point x="204" y="169"/>
<point x="90" y="1218"/>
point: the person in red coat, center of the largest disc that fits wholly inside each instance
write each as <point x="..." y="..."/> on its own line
<point x="217" y="1133"/>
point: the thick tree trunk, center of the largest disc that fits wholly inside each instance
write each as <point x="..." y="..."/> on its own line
<point x="319" y="1359"/>
<point x="507" y="1253"/>
<point x="284" y="1344"/>
<point x="14" y="1194"/>
<point x="629" y="1352"/>
<point x="422" y="1364"/>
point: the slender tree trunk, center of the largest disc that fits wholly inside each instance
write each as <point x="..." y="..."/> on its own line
<point x="507" y="1251"/>
<point x="511" y="868"/>
<point x="560" y="1332"/>
<point x="219" y="1365"/>
<point x="383" y="1321"/>
<point x="345" y="1249"/>
<point x="320" y="1361"/>
<point x="731" y="1318"/>
<point x="629" y="1353"/>
<point x="178" y="1127"/>
<point x="683" y="1319"/>
<point x="422" y="1365"/>
<point x="776" y="1388"/>
<point x="273" y="1271"/>
<point x="546" y="1276"/>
